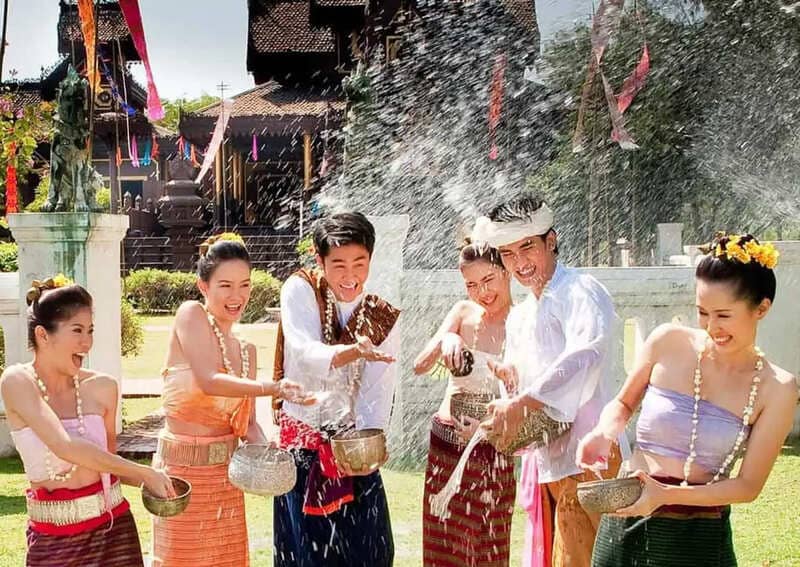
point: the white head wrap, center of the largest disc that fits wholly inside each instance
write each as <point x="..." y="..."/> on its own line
<point x="498" y="234"/>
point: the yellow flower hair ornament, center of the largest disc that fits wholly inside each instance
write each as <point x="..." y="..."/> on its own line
<point x="40" y="286"/>
<point x="744" y="249"/>
<point x="223" y="237"/>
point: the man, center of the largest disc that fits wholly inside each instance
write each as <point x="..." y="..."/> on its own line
<point x="558" y="353"/>
<point x="327" y="341"/>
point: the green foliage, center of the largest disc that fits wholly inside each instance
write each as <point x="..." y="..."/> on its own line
<point x="8" y="256"/>
<point x="103" y="199"/>
<point x="159" y="291"/>
<point x="699" y="162"/>
<point x="40" y="195"/>
<point x="172" y="109"/>
<point x="265" y="292"/>
<point x="21" y="130"/>
<point x="131" y="328"/>
<point x="305" y="251"/>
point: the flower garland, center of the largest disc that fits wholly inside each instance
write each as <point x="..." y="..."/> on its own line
<point x="746" y="414"/>
<point x="52" y="474"/>
<point x="224" y="350"/>
<point x="354" y="381"/>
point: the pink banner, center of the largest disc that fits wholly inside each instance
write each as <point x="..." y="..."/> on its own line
<point x="216" y="139"/>
<point x="133" y="17"/>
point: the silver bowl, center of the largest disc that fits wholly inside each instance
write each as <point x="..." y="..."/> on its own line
<point x="538" y="430"/>
<point x="473" y="404"/>
<point x="606" y="496"/>
<point x="166" y="507"/>
<point x="359" y="449"/>
<point x="263" y="470"/>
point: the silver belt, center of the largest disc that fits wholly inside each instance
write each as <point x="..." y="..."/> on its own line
<point x="68" y="512"/>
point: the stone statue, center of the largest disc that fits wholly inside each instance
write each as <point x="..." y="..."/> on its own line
<point x="73" y="180"/>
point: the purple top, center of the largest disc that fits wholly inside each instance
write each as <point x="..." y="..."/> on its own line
<point x="665" y="427"/>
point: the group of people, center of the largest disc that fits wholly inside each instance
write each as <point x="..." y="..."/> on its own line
<point x="703" y="395"/>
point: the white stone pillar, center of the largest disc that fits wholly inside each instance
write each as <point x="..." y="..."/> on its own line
<point x="86" y="248"/>
<point x="385" y="280"/>
<point x="669" y="241"/>
<point x="9" y="321"/>
<point x="386" y="268"/>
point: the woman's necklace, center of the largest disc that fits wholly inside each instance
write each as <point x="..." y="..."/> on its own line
<point x="224" y="350"/>
<point x="746" y="415"/>
<point x="52" y="474"/>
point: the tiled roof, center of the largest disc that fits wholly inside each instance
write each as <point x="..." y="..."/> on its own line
<point x="524" y="11"/>
<point x="23" y="93"/>
<point x="111" y="22"/>
<point x="284" y="26"/>
<point x="273" y="99"/>
<point x="340" y="3"/>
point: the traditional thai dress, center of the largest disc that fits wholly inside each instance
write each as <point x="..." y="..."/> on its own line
<point x="675" y="536"/>
<point x="477" y="531"/>
<point x="72" y="527"/>
<point x="561" y="345"/>
<point x="328" y="519"/>
<point x="212" y="530"/>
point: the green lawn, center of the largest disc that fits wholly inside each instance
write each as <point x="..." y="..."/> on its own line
<point x="767" y="532"/>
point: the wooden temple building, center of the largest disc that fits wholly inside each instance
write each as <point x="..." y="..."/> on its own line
<point x="283" y="136"/>
<point x="112" y="127"/>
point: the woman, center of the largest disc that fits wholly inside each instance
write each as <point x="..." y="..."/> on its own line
<point x="209" y="384"/>
<point x="692" y="385"/>
<point x="63" y="423"/>
<point x="479" y="527"/>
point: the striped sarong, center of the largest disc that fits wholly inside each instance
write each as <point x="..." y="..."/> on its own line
<point x="478" y="531"/>
<point x="99" y="547"/>
<point x="672" y="537"/>
<point x="212" y="530"/>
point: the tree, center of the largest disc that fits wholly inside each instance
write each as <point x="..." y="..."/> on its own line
<point x="172" y="109"/>
<point x="716" y="125"/>
<point x="21" y="130"/>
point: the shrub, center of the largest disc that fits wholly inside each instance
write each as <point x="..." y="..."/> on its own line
<point x="159" y="291"/>
<point x="103" y="199"/>
<point x="40" y="195"/>
<point x="265" y="292"/>
<point x="305" y="251"/>
<point x="8" y="257"/>
<point x="131" y="327"/>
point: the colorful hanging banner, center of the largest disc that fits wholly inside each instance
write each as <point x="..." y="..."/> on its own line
<point x="133" y="152"/>
<point x="605" y="23"/>
<point x="496" y="104"/>
<point x="11" y="180"/>
<point x="254" y="151"/>
<point x="635" y="81"/>
<point x="89" y="30"/>
<point x="193" y="156"/>
<point x="133" y="17"/>
<point x="147" y="157"/>
<point x="216" y="139"/>
<point x="181" y="143"/>
<point x="187" y="151"/>
<point x="112" y="84"/>
<point x="154" y="153"/>
<point x="119" y="156"/>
